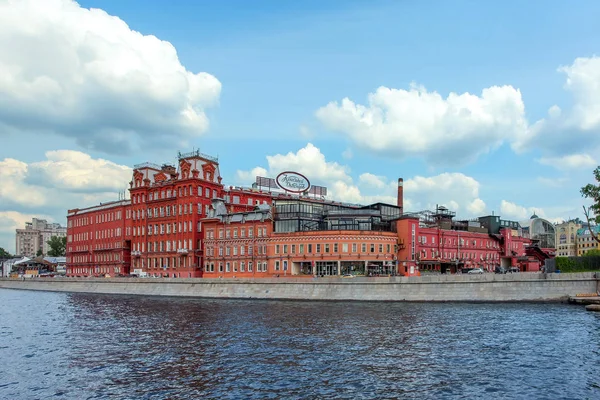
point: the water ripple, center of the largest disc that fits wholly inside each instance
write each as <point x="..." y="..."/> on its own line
<point x="78" y="346"/>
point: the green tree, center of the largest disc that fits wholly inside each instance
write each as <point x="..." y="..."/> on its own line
<point x="4" y="253"/>
<point x="39" y="253"/>
<point x="58" y="246"/>
<point x="592" y="213"/>
<point x="592" y="253"/>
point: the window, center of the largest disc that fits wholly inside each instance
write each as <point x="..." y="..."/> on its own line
<point x="277" y="265"/>
<point x="381" y="248"/>
<point x="326" y="247"/>
<point x="363" y="248"/>
<point x="301" y="249"/>
<point x="354" y="250"/>
<point x="276" y="249"/>
<point x="345" y="247"/>
<point x="372" y="247"/>
<point x="318" y="248"/>
<point x="309" y="248"/>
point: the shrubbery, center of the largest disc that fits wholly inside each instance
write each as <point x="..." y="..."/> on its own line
<point x="578" y="264"/>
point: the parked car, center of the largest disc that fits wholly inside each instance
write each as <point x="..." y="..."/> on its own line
<point x="476" y="271"/>
<point x="500" y="270"/>
<point x="514" y="269"/>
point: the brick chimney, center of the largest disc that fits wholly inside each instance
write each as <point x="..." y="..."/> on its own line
<point x="400" y="198"/>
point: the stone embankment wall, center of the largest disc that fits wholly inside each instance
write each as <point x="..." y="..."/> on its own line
<point x="487" y="287"/>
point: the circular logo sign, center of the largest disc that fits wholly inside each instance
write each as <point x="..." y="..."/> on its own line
<point x="293" y="182"/>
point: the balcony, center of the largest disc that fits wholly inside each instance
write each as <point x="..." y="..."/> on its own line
<point x="182" y="251"/>
<point x="136" y="253"/>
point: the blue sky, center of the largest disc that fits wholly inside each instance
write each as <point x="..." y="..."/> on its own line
<point x="275" y="67"/>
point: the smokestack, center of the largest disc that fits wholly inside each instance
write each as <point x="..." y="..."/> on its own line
<point x="400" y="199"/>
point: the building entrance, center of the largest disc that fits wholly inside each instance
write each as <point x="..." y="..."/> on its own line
<point x="327" y="268"/>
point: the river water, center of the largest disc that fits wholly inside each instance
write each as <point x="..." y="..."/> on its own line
<point x="80" y="346"/>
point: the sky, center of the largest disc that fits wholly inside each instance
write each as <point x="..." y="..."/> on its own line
<point x="484" y="107"/>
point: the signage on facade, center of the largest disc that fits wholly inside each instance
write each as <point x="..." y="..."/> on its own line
<point x="293" y="182"/>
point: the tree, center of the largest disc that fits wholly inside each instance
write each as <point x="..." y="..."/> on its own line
<point x="592" y="253"/>
<point x="39" y="253"/>
<point x="4" y="253"/>
<point x="58" y="246"/>
<point x="592" y="213"/>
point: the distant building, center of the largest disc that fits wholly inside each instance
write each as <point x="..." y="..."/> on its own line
<point x="6" y="266"/>
<point x="540" y="231"/>
<point x="35" y="237"/>
<point x="566" y="238"/>
<point x="585" y="241"/>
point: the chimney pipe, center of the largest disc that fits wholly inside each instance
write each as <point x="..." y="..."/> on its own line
<point x="400" y="198"/>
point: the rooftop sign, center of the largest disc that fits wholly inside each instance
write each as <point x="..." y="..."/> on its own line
<point x="293" y="182"/>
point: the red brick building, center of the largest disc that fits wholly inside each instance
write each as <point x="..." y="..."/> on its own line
<point x="99" y="240"/>
<point x="181" y="222"/>
<point x="244" y="244"/>
<point x="435" y="241"/>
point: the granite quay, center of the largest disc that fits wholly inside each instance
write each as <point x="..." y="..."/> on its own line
<point x="487" y="287"/>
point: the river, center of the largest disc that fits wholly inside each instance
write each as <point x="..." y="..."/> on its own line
<point x="84" y="346"/>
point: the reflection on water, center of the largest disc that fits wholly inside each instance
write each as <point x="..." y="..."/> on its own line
<point x="77" y="346"/>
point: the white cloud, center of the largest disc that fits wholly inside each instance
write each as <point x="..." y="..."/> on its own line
<point x="577" y="129"/>
<point x="48" y="188"/>
<point x="9" y="222"/>
<point x="371" y="180"/>
<point x="77" y="171"/>
<point x="415" y="122"/>
<point x="513" y="211"/>
<point x="250" y="176"/>
<point x="509" y="210"/>
<point x="572" y="161"/>
<point x="456" y="191"/>
<point x="311" y="162"/>
<point x="476" y="207"/>
<point x="85" y="74"/>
